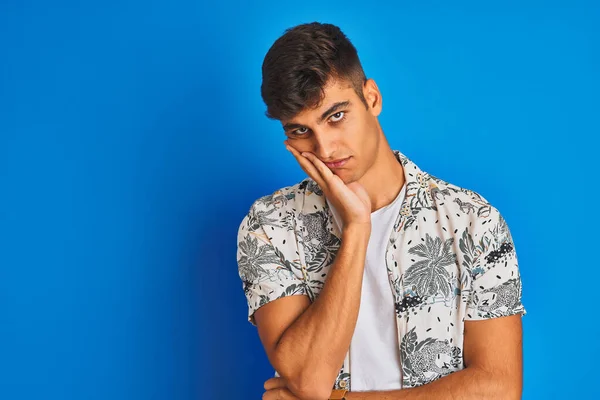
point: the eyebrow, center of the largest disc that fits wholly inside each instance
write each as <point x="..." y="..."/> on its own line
<point x="330" y="110"/>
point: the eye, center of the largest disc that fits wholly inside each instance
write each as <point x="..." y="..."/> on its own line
<point x="300" y="131"/>
<point x="338" y="116"/>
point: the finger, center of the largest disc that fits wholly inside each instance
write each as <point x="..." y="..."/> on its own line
<point x="273" y="383"/>
<point x="308" y="167"/>
<point x="279" y="394"/>
<point x="303" y="161"/>
<point x="320" y="165"/>
<point x="322" y="169"/>
<point x="273" y="394"/>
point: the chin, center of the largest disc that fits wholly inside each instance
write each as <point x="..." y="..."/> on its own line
<point x="345" y="175"/>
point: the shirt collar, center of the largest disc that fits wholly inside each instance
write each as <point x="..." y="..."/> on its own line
<point x="418" y="185"/>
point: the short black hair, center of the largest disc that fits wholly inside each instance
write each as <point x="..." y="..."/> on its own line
<point x="301" y="62"/>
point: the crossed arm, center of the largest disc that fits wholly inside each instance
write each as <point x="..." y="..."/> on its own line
<point x="307" y="343"/>
<point x="493" y="360"/>
<point x="493" y="369"/>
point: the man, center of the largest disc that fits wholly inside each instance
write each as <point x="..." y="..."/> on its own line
<point x="371" y="279"/>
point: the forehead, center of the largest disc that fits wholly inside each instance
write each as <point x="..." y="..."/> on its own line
<point x="334" y="88"/>
<point x="334" y="92"/>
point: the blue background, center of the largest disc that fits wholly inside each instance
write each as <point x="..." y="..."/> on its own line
<point x="133" y="141"/>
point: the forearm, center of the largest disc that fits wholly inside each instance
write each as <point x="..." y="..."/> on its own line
<point x="312" y="350"/>
<point x="466" y="384"/>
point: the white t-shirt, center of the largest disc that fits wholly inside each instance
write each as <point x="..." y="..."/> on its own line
<point x="374" y="356"/>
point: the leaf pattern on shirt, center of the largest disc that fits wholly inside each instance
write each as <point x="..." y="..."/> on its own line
<point x="428" y="276"/>
<point x="449" y="258"/>
<point x="471" y="252"/>
<point x="500" y="232"/>
<point x="278" y="198"/>
<point x="253" y="257"/>
<point x="262" y="218"/>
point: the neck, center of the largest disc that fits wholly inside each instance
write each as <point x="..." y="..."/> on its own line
<point x="384" y="180"/>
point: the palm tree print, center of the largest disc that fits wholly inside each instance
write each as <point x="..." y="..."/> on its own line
<point x="253" y="257"/>
<point x="261" y="218"/>
<point x="429" y="276"/>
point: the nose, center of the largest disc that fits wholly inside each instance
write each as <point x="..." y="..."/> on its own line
<point x="324" y="146"/>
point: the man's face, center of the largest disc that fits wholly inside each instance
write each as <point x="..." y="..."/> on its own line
<point x="340" y="128"/>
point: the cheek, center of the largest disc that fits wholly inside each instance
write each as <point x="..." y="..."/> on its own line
<point x="358" y="134"/>
<point x="301" y="144"/>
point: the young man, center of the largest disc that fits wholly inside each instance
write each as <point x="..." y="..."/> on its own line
<point x="371" y="279"/>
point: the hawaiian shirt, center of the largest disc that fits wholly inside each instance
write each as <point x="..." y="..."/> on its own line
<point x="450" y="258"/>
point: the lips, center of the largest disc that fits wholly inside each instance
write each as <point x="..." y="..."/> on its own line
<point x="337" y="164"/>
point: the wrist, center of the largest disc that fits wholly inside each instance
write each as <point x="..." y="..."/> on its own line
<point x="356" y="235"/>
<point x="357" y="229"/>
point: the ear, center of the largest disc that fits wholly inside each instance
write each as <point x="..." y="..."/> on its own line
<point x="373" y="97"/>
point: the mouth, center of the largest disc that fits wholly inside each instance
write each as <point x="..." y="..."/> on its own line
<point x="338" y="163"/>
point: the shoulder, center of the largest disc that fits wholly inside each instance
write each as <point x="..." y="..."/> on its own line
<point x="447" y="195"/>
<point x="288" y="197"/>
<point x="464" y="206"/>
<point x="283" y="205"/>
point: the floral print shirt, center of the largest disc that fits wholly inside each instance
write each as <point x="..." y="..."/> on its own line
<point x="450" y="258"/>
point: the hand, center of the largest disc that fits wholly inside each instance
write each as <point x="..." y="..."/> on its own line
<point x="277" y="390"/>
<point x="351" y="200"/>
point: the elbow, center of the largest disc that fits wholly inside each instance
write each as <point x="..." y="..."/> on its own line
<point x="507" y="393"/>
<point x="509" y="387"/>
<point x="308" y="390"/>
<point x="514" y="393"/>
<point x="505" y="386"/>
<point x="306" y="384"/>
